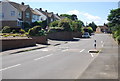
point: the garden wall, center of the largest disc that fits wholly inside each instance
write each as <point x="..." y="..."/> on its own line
<point x="61" y="36"/>
<point x="16" y="43"/>
<point x="77" y="34"/>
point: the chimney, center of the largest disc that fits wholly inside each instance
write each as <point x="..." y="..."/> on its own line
<point x="40" y="9"/>
<point x="45" y="10"/>
<point x="57" y="14"/>
<point x="22" y="3"/>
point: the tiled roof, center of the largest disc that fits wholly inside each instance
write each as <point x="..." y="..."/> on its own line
<point x="57" y="16"/>
<point x="19" y="6"/>
<point x="34" y="12"/>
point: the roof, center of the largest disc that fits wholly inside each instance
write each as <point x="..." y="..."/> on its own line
<point x="19" y="6"/>
<point x="50" y="14"/>
<point x="34" y="12"/>
<point x="57" y="16"/>
<point x="103" y="27"/>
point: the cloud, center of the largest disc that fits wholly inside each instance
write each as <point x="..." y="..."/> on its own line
<point x="91" y="17"/>
<point x="86" y="17"/>
<point x="76" y="12"/>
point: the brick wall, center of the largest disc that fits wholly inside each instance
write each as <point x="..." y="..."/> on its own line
<point x="16" y="43"/>
<point x="12" y="24"/>
<point x="61" y="36"/>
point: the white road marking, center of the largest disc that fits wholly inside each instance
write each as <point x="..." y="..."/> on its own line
<point x="44" y="49"/>
<point x="82" y="50"/>
<point x="102" y="45"/>
<point x="64" y="50"/>
<point x="43" y="57"/>
<point x="101" y="41"/>
<point x="10" y="67"/>
<point x="92" y="54"/>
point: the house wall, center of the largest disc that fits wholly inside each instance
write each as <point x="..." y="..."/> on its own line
<point x="6" y="11"/>
<point x="43" y="17"/>
<point x="12" y="24"/>
<point x="24" y="18"/>
<point x="35" y="18"/>
<point x="5" y="18"/>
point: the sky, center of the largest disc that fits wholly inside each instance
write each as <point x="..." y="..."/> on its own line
<point x="87" y="10"/>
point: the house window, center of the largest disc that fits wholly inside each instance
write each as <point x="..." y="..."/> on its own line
<point x="12" y="13"/>
<point x="20" y="14"/>
<point x="1" y="15"/>
<point x="27" y="15"/>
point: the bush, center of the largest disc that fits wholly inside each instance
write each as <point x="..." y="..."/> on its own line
<point x="54" y="24"/>
<point x="14" y="31"/>
<point x="6" y="29"/>
<point x="36" y="31"/>
<point x="21" y="31"/>
<point x="65" y="23"/>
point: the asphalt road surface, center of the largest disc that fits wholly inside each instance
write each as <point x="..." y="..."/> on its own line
<point x="70" y="60"/>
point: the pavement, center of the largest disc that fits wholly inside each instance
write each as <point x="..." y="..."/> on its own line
<point x="65" y="60"/>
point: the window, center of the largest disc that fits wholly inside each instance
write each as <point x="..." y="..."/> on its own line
<point x="27" y="15"/>
<point x="1" y="15"/>
<point x="20" y="14"/>
<point x="12" y="13"/>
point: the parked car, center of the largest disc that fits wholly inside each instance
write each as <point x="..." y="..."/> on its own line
<point x="86" y="35"/>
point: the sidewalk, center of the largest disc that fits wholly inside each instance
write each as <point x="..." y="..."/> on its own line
<point x="105" y="66"/>
<point x="38" y="46"/>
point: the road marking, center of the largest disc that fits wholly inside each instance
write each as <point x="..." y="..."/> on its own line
<point x="102" y="45"/>
<point x="10" y="67"/>
<point x="64" y="50"/>
<point x="43" y="57"/>
<point x="101" y="41"/>
<point x="92" y="54"/>
<point x="82" y="50"/>
<point x="44" y="49"/>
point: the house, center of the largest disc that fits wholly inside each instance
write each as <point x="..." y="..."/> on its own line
<point x="35" y="16"/>
<point x="57" y="17"/>
<point x="48" y="16"/>
<point x="42" y="13"/>
<point x="15" y="14"/>
<point x="102" y="29"/>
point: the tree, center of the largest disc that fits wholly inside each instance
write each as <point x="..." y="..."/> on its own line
<point x="114" y="17"/>
<point x="93" y="25"/>
<point x="114" y="23"/>
<point x="72" y="17"/>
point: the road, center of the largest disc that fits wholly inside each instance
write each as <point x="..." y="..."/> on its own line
<point x="70" y="60"/>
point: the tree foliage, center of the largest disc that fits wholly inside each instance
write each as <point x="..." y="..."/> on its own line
<point x="93" y="25"/>
<point x="114" y="23"/>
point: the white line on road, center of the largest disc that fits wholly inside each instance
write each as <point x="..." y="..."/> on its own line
<point x="82" y="50"/>
<point x="102" y="45"/>
<point x="43" y="57"/>
<point x="64" y="50"/>
<point x="10" y="67"/>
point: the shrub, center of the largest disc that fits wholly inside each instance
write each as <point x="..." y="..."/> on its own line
<point x="6" y="29"/>
<point x="21" y="31"/>
<point x="36" y="31"/>
<point x="54" y="24"/>
<point x="65" y="23"/>
<point x="14" y="31"/>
